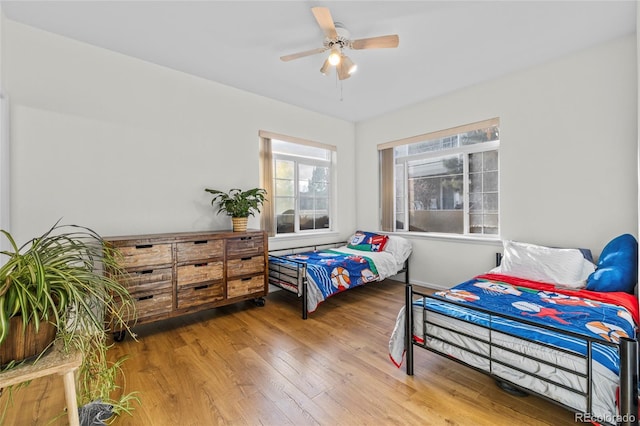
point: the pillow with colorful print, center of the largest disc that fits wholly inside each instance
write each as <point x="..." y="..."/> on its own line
<point x="368" y="241"/>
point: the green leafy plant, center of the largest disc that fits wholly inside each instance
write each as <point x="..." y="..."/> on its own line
<point x="61" y="277"/>
<point x="238" y="203"/>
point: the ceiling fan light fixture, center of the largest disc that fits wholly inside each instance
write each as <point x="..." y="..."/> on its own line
<point x="349" y="66"/>
<point x="343" y="71"/>
<point x="325" y="67"/>
<point x="334" y="57"/>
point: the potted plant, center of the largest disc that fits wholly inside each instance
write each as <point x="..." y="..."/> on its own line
<point x="238" y="204"/>
<point x="56" y="282"/>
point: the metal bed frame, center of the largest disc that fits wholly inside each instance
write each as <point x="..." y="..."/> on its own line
<point x="628" y="350"/>
<point x="293" y="278"/>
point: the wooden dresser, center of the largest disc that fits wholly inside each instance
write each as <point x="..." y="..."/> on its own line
<point x="178" y="273"/>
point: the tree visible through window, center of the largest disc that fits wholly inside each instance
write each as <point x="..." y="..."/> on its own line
<point x="302" y="187"/>
<point x="445" y="182"/>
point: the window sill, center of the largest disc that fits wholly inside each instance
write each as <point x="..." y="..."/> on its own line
<point x="304" y="236"/>
<point x="480" y="239"/>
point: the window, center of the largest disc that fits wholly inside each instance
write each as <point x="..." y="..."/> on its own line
<point x="299" y="184"/>
<point x="445" y="182"/>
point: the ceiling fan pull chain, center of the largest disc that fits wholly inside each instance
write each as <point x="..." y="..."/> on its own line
<point x="339" y="85"/>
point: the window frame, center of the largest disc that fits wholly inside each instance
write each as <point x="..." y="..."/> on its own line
<point x="299" y="161"/>
<point x="401" y="165"/>
<point x="331" y="163"/>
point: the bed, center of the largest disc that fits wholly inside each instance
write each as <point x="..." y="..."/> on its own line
<point x="316" y="273"/>
<point x="546" y="321"/>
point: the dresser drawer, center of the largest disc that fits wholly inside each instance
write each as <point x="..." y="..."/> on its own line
<point x="200" y="272"/>
<point x="200" y="295"/>
<point x="245" y="286"/>
<point x="153" y="303"/>
<point x="144" y="255"/>
<point x="147" y="278"/>
<point x="199" y="250"/>
<point x="245" y="246"/>
<point x="245" y="266"/>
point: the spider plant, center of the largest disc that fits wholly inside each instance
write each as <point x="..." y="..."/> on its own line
<point x="60" y="277"/>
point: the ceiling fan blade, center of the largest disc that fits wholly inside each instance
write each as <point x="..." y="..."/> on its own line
<point x="325" y="21"/>
<point x="388" y="41"/>
<point x="302" y="54"/>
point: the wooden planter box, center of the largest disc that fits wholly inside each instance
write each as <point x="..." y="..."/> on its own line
<point x="20" y="345"/>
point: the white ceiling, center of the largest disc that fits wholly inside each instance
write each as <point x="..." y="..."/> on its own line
<point x="444" y="45"/>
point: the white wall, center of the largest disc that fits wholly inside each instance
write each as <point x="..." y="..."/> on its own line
<point x="568" y="156"/>
<point x="127" y="147"/>
<point x="5" y="222"/>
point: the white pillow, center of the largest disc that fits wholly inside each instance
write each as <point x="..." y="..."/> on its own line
<point x="399" y="247"/>
<point x="563" y="267"/>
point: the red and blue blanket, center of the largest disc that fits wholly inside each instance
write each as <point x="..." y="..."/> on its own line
<point x="601" y="316"/>
<point x="333" y="271"/>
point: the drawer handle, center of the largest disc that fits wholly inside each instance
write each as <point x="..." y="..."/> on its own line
<point x="200" y="287"/>
<point x="245" y="279"/>
<point x="245" y="238"/>
<point x="200" y="242"/>
<point x="144" y="246"/>
<point x="246" y="258"/>
<point x="150" y="271"/>
<point x="198" y="265"/>
<point x="145" y="297"/>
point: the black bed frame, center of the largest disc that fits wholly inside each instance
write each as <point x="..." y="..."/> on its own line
<point x="294" y="278"/>
<point x="628" y="349"/>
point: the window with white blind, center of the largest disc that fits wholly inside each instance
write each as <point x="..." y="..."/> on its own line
<point x="443" y="182"/>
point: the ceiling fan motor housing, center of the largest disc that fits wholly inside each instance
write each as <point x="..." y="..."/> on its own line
<point x="342" y="40"/>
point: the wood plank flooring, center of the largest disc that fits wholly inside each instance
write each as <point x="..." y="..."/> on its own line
<point x="246" y="365"/>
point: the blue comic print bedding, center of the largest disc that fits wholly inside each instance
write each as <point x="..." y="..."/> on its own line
<point x="330" y="272"/>
<point x="333" y="271"/>
<point x="602" y="320"/>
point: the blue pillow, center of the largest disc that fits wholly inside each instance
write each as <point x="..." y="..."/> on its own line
<point x="617" y="267"/>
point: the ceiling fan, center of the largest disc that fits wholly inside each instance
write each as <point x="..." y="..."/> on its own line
<point x="337" y="40"/>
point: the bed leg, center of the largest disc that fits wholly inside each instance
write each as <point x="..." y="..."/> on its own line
<point x="406" y="272"/>
<point x="628" y="382"/>
<point x="305" y="314"/>
<point x="408" y="328"/>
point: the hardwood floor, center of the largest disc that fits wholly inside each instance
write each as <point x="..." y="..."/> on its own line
<point x="246" y="365"/>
